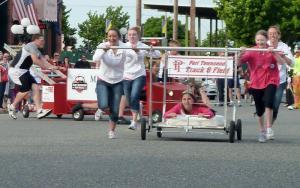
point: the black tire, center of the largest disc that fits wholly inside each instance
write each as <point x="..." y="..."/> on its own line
<point x="158" y="133"/>
<point x="143" y="129"/>
<point x="231" y="132"/>
<point x="238" y="127"/>
<point x="78" y="115"/>
<point x="25" y="111"/>
<point x="156" y="116"/>
<point x="59" y="116"/>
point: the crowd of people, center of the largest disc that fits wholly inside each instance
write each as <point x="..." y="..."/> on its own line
<point x="122" y="77"/>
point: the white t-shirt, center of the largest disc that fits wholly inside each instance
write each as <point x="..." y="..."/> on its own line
<point x="283" y="68"/>
<point x="134" y="65"/>
<point x="112" y="64"/>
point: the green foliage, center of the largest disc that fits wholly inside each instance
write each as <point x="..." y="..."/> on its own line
<point x="92" y="30"/>
<point x="67" y="30"/>
<point x="244" y="17"/>
<point x="216" y="41"/>
<point x="153" y="28"/>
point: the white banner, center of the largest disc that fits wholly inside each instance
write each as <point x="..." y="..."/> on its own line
<point x="200" y="66"/>
<point x="47" y="93"/>
<point x="81" y="84"/>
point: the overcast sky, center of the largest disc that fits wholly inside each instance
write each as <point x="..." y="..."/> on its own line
<point x="80" y="8"/>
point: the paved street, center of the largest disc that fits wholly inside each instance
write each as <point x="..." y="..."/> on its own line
<point x="64" y="153"/>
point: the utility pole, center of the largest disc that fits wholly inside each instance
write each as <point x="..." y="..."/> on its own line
<point x="192" y="28"/>
<point x="175" y="20"/>
<point x="139" y="13"/>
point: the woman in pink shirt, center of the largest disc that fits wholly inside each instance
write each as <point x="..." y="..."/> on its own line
<point x="188" y="107"/>
<point x="264" y="79"/>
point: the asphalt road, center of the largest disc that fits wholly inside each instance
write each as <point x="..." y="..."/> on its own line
<point x="63" y="153"/>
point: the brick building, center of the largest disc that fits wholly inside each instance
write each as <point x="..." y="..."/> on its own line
<point x="50" y="29"/>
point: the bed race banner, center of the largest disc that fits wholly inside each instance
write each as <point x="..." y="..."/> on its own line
<point x="81" y="84"/>
<point x="200" y="66"/>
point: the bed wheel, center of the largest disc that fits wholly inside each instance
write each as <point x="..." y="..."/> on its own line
<point x="239" y="129"/>
<point x="158" y="133"/>
<point x="25" y="111"/>
<point x="231" y="132"/>
<point x="78" y="115"/>
<point x="156" y="116"/>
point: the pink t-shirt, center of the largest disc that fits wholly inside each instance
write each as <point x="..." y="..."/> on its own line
<point x="196" y="109"/>
<point x="263" y="68"/>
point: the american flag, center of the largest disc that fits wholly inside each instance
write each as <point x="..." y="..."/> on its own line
<point x="25" y="9"/>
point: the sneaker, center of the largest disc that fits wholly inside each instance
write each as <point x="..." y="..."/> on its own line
<point x="112" y="135"/>
<point x="291" y="107"/>
<point x="12" y="112"/>
<point x="239" y="103"/>
<point x="252" y="103"/>
<point x="270" y="134"/>
<point x="133" y="125"/>
<point x="41" y="113"/>
<point x="230" y="103"/>
<point x="76" y="107"/>
<point x="262" y="137"/>
<point x="123" y="120"/>
<point x="98" y="115"/>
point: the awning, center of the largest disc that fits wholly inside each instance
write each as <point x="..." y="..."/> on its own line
<point x="46" y="10"/>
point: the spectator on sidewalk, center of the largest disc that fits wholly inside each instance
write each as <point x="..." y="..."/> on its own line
<point x="82" y="63"/>
<point x="3" y="78"/>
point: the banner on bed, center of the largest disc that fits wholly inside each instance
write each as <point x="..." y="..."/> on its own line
<point x="200" y="66"/>
<point x="81" y="84"/>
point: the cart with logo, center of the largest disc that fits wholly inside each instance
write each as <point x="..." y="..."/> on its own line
<point x="191" y="67"/>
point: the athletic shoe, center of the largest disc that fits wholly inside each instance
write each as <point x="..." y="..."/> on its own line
<point x="76" y="107"/>
<point x="133" y="125"/>
<point x="112" y="135"/>
<point x="239" y="103"/>
<point x="12" y="112"/>
<point x="270" y="134"/>
<point x="291" y="107"/>
<point x="262" y="137"/>
<point x="98" y="115"/>
<point x="252" y="103"/>
<point x="41" y="113"/>
<point x="123" y="120"/>
<point x="230" y="103"/>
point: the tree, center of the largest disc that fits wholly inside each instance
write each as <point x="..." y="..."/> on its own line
<point x="68" y="31"/>
<point x="244" y="17"/>
<point x="92" y="30"/>
<point x="153" y="28"/>
<point x="219" y="41"/>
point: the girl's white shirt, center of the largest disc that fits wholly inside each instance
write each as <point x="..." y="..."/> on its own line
<point x="134" y="65"/>
<point x="111" y="69"/>
<point x="283" y="68"/>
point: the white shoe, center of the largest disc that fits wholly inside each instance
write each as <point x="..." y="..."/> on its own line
<point x="41" y="113"/>
<point x="252" y="103"/>
<point x="270" y="134"/>
<point x="133" y="125"/>
<point x="262" y="137"/>
<point x="98" y="115"/>
<point x="239" y="103"/>
<point x="112" y="135"/>
<point x="290" y="107"/>
<point x="12" y="111"/>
